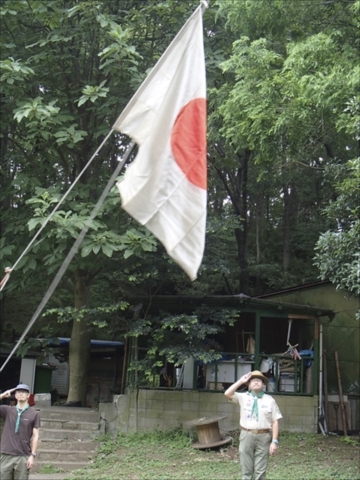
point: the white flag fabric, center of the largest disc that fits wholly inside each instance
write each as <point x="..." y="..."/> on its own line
<point x="165" y="186"/>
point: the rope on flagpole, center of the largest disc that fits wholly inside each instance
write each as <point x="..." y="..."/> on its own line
<point x="6" y="277"/>
<point x="58" y="205"/>
<point x="72" y="252"/>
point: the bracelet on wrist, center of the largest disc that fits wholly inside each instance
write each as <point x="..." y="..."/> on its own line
<point x="275" y="441"/>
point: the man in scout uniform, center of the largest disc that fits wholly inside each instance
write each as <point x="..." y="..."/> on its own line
<point x="259" y="415"/>
<point x="20" y="436"/>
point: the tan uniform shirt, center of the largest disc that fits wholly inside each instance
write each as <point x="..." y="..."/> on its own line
<point x="267" y="407"/>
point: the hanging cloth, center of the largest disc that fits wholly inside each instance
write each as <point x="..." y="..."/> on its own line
<point x="19" y="412"/>
<point x="255" y="407"/>
<point x="250" y="346"/>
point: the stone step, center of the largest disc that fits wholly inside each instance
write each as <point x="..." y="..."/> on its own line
<point x="50" y="456"/>
<point x="56" y="444"/>
<point x="66" y="434"/>
<point x="48" y="476"/>
<point x="70" y="414"/>
<point x="67" y="438"/>
<point x="68" y="424"/>
<point x="67" y="466"/>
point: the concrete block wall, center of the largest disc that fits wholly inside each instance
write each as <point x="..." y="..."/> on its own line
<point x="300" y="414"/>
<point x="42" y="400"/>
<point x="160" y="409"/>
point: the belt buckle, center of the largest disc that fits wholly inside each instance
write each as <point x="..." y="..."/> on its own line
<point x="256" y="431"/>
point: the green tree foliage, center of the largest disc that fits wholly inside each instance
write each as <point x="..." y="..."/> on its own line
<point x="175" y="338"/>
<point x="68" y="70"/>
<point x="283" y="132"/>
<point x="337" y="250"/>
<point x="284" y="106"/>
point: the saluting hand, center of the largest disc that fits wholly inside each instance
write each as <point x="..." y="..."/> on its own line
<point x="245" y="378"/>
<point x="7" y="393"/>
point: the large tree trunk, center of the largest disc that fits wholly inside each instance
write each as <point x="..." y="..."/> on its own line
<point x="242" y="232"/>
<point x="5" y="206"/>
<point x="257" y="231"/>
<point x="79" y="351"/>
<point x="235" y="183"/>
<point x="289" y="194"/>
<point x="241" y="237"/>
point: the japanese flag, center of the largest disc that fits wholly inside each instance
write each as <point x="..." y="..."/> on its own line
<point x="165" y="187"/>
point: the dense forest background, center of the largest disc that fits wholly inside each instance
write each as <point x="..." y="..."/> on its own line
<point x="283" y="154"/>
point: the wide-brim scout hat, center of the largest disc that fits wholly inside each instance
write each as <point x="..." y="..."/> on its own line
<point x="258" y="374"/>
<point x="22" y="386"/>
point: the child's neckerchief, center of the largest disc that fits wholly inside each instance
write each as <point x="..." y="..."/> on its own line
<point x="19" y="413"/>
<point x="255" y="408"/>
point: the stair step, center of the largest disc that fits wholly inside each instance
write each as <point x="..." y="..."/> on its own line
<point x="64" y="434"/>
<point x="68" y="424"/>
<point x="48" y="476"/>
<point x="59" y="444"/>
<point x="68" y="466"/>
<point x="70" y="413"/>
<point x="67" y="437"/>
<point x="51" y="456"/>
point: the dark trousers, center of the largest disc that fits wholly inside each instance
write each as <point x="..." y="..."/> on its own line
<point x="13" y="467"/>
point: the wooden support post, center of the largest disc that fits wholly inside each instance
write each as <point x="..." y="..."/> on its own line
<point x="342" y="405"/>
<point x="326" y="403"/>
<point x="124" y="367"/>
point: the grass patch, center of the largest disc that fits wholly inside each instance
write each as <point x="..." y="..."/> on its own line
<point x="50" y="469"/>
<point x="169" y="455"/>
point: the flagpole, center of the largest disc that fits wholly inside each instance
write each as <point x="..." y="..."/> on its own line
<point x="73" y="251"/>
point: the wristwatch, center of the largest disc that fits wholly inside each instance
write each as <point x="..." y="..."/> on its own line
<point x="275" y="441"/>
<point x="33" y="454"/>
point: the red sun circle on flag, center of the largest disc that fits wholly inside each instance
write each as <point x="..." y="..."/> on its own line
<point x="188" y="141"/>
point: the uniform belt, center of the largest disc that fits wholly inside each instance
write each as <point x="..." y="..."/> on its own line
<point x="256" y="430"/>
